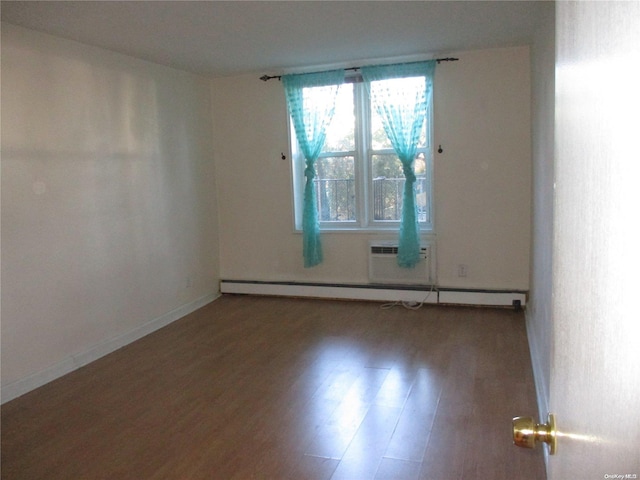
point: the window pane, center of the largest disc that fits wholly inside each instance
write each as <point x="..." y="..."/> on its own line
<point x="379" y="139"/>
<point x="388" y="182"/>
<point x="422" y="188"/>
<point x="388" y="188"/>
<point x="335" y="189"/>
<point x="406" y="91"/>
<point x="359" y="146"/>
<point x="341" y="131"/>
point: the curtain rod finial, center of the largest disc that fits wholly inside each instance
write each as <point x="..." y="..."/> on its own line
<point x="448" y="59"/>
<point x="264" y="78"/>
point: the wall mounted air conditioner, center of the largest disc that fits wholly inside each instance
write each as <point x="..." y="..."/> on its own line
<point x="384" y="269"/>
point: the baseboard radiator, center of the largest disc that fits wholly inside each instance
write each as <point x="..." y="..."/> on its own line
<point x="378" y="292"/>
<point x="387" y="283"/>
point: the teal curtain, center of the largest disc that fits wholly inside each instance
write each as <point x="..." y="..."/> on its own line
<point x="403" y="113"/>
<point x="311" y="100"/>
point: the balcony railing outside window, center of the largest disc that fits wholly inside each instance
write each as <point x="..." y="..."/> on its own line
<point x="336" y="199"/>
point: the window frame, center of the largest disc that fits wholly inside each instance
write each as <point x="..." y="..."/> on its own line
<point x="363" y="178"/>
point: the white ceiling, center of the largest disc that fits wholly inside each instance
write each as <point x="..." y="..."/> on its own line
<point x="222" y="38"/>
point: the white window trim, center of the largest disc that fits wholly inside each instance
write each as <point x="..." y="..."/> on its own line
<point x="363" y="180"/>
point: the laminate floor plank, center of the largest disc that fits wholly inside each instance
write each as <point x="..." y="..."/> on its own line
<point x="276" y="388"/>
<point x="414" y="426"/>
<point x="364" y="453"/>
<point x="394" y="469"/>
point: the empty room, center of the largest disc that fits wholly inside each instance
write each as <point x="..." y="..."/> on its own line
<point x="319" y="240"/>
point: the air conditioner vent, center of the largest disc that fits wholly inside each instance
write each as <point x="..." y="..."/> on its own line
<point x="384" y="249"/>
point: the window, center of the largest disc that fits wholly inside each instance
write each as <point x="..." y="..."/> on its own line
<point x="359" y="177"/>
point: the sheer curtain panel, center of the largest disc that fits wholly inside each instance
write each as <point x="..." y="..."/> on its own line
<point x="403" y="113"/>
<point x="311" y="102"/>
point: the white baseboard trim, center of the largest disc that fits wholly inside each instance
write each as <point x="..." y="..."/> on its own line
<point x="383" y="294"/>
<point x="374" y="292"/>
<point x="484" y="298"/>
<point x="73" y="362"/>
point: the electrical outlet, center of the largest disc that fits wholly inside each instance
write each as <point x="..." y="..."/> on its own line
<point x="463" y="270"/>
<point x="189" y="282"/>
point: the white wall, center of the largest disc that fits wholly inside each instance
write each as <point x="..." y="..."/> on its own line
<point x="482" y="179"/>
<point x="109" y="215"/>
<point x="538" y="312"/>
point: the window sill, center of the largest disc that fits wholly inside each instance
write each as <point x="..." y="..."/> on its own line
<point x="367" y="230"/>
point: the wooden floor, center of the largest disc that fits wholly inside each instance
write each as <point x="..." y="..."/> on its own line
<point x="268" y="388"/>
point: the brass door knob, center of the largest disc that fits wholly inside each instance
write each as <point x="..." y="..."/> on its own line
<point x="526" y="433"/>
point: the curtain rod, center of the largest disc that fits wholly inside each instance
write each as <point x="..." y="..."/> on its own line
<point x="264" y="78"/>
